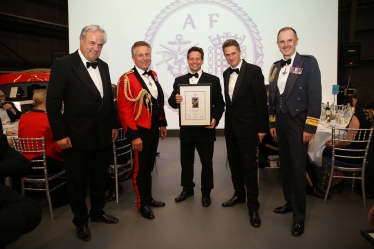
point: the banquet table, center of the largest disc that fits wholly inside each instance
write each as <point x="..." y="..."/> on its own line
<point x="317" y="144"/>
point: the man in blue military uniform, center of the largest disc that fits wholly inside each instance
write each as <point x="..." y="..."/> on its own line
<point x="294" y="110"/>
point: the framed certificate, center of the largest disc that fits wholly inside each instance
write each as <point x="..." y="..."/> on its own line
<point x="368" y="235"/>
<point x="195" y="109"/>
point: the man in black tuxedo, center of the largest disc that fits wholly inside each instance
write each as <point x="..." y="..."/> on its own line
<point x="246" y="123"/>
<point x="8" y="113"/>
<point x="87" y="127"/>
<point x="294" y="109"/>
<point x="201" y="138"/>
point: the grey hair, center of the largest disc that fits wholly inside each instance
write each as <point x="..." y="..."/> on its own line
<point x="93" y="28"/>
<point x="140" y="44"/>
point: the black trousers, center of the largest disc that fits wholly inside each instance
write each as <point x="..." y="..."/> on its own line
<point x="78" y="165"/>
<point x="293" y="154"/>
<point x="205" y="150"/>
<point x="242" y="159"/>
<point x="144" y="162"/>
<point x="18" y="215"/>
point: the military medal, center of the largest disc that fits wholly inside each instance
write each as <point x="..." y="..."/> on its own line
<point x="285" y="68"/>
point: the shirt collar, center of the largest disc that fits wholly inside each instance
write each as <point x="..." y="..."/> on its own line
<point x="140" y="71"/>
<point x="239" y="65"/>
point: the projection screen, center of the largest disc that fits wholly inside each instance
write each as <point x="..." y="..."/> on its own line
<point x="173" y="26"/>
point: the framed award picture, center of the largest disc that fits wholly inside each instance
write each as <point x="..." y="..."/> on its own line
<point x="195" y="109"/>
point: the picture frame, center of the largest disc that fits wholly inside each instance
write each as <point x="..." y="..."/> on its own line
<point x="195" y="109"/>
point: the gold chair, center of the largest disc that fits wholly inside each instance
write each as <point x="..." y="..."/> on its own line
<point x="360" y="137"/>
<point x="36" y="182"/>
<point x="121" y="148"/>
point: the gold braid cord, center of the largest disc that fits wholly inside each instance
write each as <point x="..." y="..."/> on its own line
<point x="139" y="99"/>
<point x="272" y="73"/>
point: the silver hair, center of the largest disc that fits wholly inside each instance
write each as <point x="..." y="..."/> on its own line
<point x="139" y="44"/>
<point x="93" y="28"/>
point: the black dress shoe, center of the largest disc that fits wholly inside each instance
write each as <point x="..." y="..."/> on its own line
<point x="297" y="229"/>
<point x="155" y="203"/>
<point x="282" y="210"/>
<point x="233" y="201"/>
<point x="206" y="201"/>
<point x="106" y="218"/>
<point x="316" y="192"/>
<point x="112" y="193"/>
<point x="183" y="196"/>
<point x="84" y="233"/>
<point x="254" y="219"/>
<point x="147" y="212"/>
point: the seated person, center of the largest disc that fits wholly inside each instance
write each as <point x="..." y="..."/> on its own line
<point x="363" y="118"/>
<point x="269" y="146"/>
<point x="34" y="124"/>
<point x="8" y="113"/>
<point x="18" y="214"/>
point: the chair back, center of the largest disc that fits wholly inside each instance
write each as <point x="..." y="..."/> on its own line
<point x="357" y="152"/>
<point x="121" y="148"/>
<point x="32" y="146"/>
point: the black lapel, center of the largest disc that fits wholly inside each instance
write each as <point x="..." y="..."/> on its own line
<point x="291" y="80"/>
<point x="226" y="81"/>
<point x="104" y="76"/>
<point x="82" y="73"/>
<point x="140" y="79"/>
<point x="239" y="80"/>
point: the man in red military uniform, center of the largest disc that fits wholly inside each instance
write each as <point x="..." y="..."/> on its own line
<point x="142" y="115"/>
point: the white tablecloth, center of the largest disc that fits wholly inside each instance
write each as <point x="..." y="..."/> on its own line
<point x="317" y="144"/>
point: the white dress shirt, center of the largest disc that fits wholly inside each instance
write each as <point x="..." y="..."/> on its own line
<point x="233" y="78"/>
<point x="94" y="73"/>
<point x="283" y="75"/>
<point x="151" y="85"/>
<point x="194" y="80"/>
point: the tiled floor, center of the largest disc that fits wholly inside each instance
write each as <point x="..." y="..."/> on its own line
<point x="335" y="224"/>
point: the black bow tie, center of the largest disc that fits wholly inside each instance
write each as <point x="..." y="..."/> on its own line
<point x="283" y="62"/>
<point x="91" y="64"/>
<point x="190" y="75"/>
<point x="149" y="73"/>
<point x="236" y="70"/>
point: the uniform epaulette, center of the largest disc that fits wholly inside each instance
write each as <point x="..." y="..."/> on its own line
<point x="128" y="72"/>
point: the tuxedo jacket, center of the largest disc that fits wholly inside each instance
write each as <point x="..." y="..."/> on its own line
<point x="246" y="113"/>
<point x="303" y="91"/>
<point x="129" y="108"/>
<point x="88" y="118"/>
<point x="200" y="134"/>
<point x="11" y="115"/>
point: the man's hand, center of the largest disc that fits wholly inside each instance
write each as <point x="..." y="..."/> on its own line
<point x="137" y="144"/>
<point x="307" y="137"/>
<point x="64" y="143"/>
<point x="163" y="132"/>
<point x="114" y="134"/>
<point x="371" y="216"/>
<point x="212" y="124"/>
<point x="11" y="133"/>
<point x="178" y="98"/>
<point x="273" y="132"/>
<point x="261" y="136"/>
<point x="8" y="107"/>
